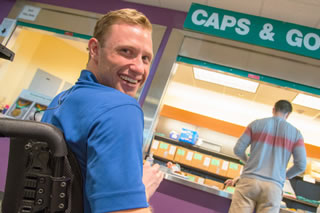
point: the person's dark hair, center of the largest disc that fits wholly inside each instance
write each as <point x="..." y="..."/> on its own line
<point x="283" y="106"/>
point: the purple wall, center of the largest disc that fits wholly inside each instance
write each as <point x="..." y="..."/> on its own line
<point x="161" y="16"/>
<point x="5" y="7"/>
<point x="156" y="15"/>
<point x="172" y="197"/>
<point x="4" y="156"/>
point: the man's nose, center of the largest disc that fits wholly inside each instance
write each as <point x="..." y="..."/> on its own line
<point x="137" y="65"/>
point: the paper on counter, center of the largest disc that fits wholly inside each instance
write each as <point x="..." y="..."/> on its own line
<point x="288" y="190"/>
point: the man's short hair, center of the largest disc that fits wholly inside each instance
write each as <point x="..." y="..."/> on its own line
<point x="127" y="15"/>
<point x="283" y="106"/>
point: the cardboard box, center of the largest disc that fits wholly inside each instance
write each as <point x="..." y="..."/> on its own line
<point x="194" y="178"/>
<point x="234" y="170"/>
<point x="206" y="162"/>
<point x="215" y="165"/>
<point x="166" y="151"/>
<point x="154" y="146"/>
<point x="197" y="160"/>
<point x="224" y="167"/>
<point x="219" y="166"/>
<point x="201" y="161"/>
<point x="162" y="149"/>
<point x="180" y="155"/>
<point x="171" y="152"/>
<point x="184" y="156"/>
<point x="191" y="177"/>
<point x="188" y="158"/>
<point x="200" y="180"/>
<point x="214" y="184"/>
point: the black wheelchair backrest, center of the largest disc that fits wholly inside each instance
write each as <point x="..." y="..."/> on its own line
<point x="43" y="175"/>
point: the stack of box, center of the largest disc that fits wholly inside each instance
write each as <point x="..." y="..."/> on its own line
<point x="164" y="150"/>
<point x="180" y="155"/>
<point x="219" y="166"/>
<point x="234" y="170"/>
<point x="201" y="161"/>
<point x="194" y="178"/>
<point x="154" y="146"/>
<point x="184" y="156"/>
<point x="197" y="160"/>
<point x="214" y="184"/>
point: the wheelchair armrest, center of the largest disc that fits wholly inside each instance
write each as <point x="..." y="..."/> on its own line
<point x="35" y="130"/>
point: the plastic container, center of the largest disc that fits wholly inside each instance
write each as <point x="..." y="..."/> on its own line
<point x="150" y="158"/>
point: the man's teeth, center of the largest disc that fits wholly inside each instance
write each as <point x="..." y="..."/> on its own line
<point x="126" y="78"/>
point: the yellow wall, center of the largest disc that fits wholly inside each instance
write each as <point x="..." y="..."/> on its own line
<point x="35" y="49"/>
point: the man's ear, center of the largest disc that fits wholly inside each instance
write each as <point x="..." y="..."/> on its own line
<point x="93" y="46"/>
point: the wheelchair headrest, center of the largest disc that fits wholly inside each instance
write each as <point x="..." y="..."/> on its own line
<point x="35" y="130"/>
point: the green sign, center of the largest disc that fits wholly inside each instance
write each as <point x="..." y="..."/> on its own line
<point x="233" y="166"/>
<point x="163" y="146"/>
<point x="191" y="178"/>
<point x="254" y="30"/>
<point x="197" y="156"/>
<point x="180" y="152"/>
<point x="215" y="162"/>
<point x="230" y="189"/>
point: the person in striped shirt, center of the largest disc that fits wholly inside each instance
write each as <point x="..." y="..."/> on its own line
<point x="272" y="142"/>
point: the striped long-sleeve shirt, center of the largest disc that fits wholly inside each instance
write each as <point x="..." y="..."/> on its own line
<point x="273" y="140"/>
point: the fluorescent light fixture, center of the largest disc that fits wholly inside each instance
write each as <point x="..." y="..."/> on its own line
<point x="225" y="80"/>
<point x="307" y="101"/>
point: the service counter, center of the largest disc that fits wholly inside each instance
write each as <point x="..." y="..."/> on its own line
<point x="203" y="192"/>
<point x="177" y="194"/>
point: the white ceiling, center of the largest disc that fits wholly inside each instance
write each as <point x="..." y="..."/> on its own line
<point x="302" y="12"/>
<point x="266" y="93"/>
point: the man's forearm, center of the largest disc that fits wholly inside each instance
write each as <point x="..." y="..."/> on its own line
<point x="299" y="162"/>
<point x="240" y="152"/>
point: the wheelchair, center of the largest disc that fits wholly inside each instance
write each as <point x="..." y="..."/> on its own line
<point x="43" y="175"/>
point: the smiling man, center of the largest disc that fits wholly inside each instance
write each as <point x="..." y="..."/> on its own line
<point x="103" y="123"/>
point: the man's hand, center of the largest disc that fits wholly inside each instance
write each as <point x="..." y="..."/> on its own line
<point x="231" y="182"/>
<point x="152" y="178"/>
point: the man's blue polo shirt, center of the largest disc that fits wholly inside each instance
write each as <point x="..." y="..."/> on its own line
<point x="104" y="128"/>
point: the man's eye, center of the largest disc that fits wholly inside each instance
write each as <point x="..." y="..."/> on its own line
<point x="146" y="59"/>
<point x="125" y="51"/>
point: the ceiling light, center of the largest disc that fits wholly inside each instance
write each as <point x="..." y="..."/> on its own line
<point x="225" y="80"/>
<point x="307" y="101"/>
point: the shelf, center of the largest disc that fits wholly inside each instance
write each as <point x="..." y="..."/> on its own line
<point x="300" y="177"/>
<point x="195" y="171"/>
<point x="299" y="201"/>
<point x="197" y="148"/>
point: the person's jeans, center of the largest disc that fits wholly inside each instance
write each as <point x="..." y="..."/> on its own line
<point x="250" y="194"/>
